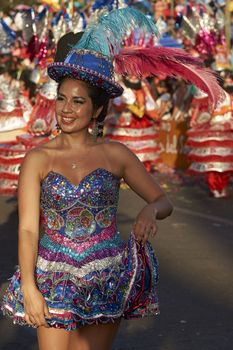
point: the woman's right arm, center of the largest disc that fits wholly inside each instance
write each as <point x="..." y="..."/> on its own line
<point x="28" y="233"/>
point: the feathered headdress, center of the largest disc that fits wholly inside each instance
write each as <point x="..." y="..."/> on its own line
<point x="100" y="49"/>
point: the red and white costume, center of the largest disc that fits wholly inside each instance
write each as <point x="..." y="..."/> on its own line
<point x="133" y="121"/>
<point x="35" y="131"/>
<point x="211" y="143"/>
<point x="42" y="118"/>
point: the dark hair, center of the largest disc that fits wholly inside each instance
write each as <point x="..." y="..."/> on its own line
<point x="64" y="45"/>
<point x="98" y="98"/>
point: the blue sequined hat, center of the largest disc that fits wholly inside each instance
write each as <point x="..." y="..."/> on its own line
<point x="91" y="58"/>
<point x="90" y="66"/>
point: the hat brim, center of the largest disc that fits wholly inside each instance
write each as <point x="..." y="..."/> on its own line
<point x="60" y="70"/>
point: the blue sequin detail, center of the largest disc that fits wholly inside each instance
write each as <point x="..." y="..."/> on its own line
<point x="85" y="271"/>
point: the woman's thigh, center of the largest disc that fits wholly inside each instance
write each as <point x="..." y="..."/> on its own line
<point x="94" y="337"/>
<point x="53" y="338"/>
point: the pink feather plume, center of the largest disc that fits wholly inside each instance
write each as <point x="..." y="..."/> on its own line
<point x="161" y="61"/>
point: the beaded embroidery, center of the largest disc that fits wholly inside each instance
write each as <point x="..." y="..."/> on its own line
<point x="84" y="270"/>
<point x="90" y="66"/>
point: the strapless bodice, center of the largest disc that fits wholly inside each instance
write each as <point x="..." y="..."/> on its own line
<point x="86" y="273"/>
<point x="79" y="211"/>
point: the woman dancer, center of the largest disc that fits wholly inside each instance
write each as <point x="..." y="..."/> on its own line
<point x="83" y="274"/>
<point x="82" y="277"/>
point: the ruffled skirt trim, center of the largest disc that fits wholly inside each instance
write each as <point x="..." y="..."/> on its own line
<point x="128" y="290"/>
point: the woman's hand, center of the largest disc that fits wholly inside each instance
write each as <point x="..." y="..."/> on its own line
<point x="145" y="224"/>
<point x="35" y="307"/>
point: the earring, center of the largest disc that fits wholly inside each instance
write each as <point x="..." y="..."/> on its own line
<point x="97" y="129"/>
<point x="58" y="128"/>
<point x="100" y="128"/>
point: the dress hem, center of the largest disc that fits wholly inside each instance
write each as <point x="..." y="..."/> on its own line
<point x="105" y="319"/>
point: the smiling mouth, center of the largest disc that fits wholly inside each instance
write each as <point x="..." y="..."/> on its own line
<point x="67" y="120"/>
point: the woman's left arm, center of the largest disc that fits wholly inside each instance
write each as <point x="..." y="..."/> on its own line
<point x="158" y="205"/>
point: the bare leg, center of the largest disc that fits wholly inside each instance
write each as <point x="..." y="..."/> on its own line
<point x="94" y="337"/>
<point x="53" y="338"/>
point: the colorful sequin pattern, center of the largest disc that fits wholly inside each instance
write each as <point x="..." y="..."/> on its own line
<point x="85" y="271"/>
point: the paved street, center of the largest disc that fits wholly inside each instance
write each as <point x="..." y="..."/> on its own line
<point x="194" y="247"/>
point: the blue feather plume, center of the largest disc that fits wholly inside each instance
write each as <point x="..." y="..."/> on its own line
<point x="107" y="34"/>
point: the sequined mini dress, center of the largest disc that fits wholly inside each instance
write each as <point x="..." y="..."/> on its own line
<point x="85" y="271"/>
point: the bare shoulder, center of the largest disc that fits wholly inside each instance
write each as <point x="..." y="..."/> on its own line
<point x="114" y="148"/>
<point x="37" y="159"/>
<point x="48" y="146"/>
<point x="120" y="156"/>
<point x="44" y="149"/>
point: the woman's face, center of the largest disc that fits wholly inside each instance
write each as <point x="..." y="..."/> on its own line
<point x="74" y="108"/>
